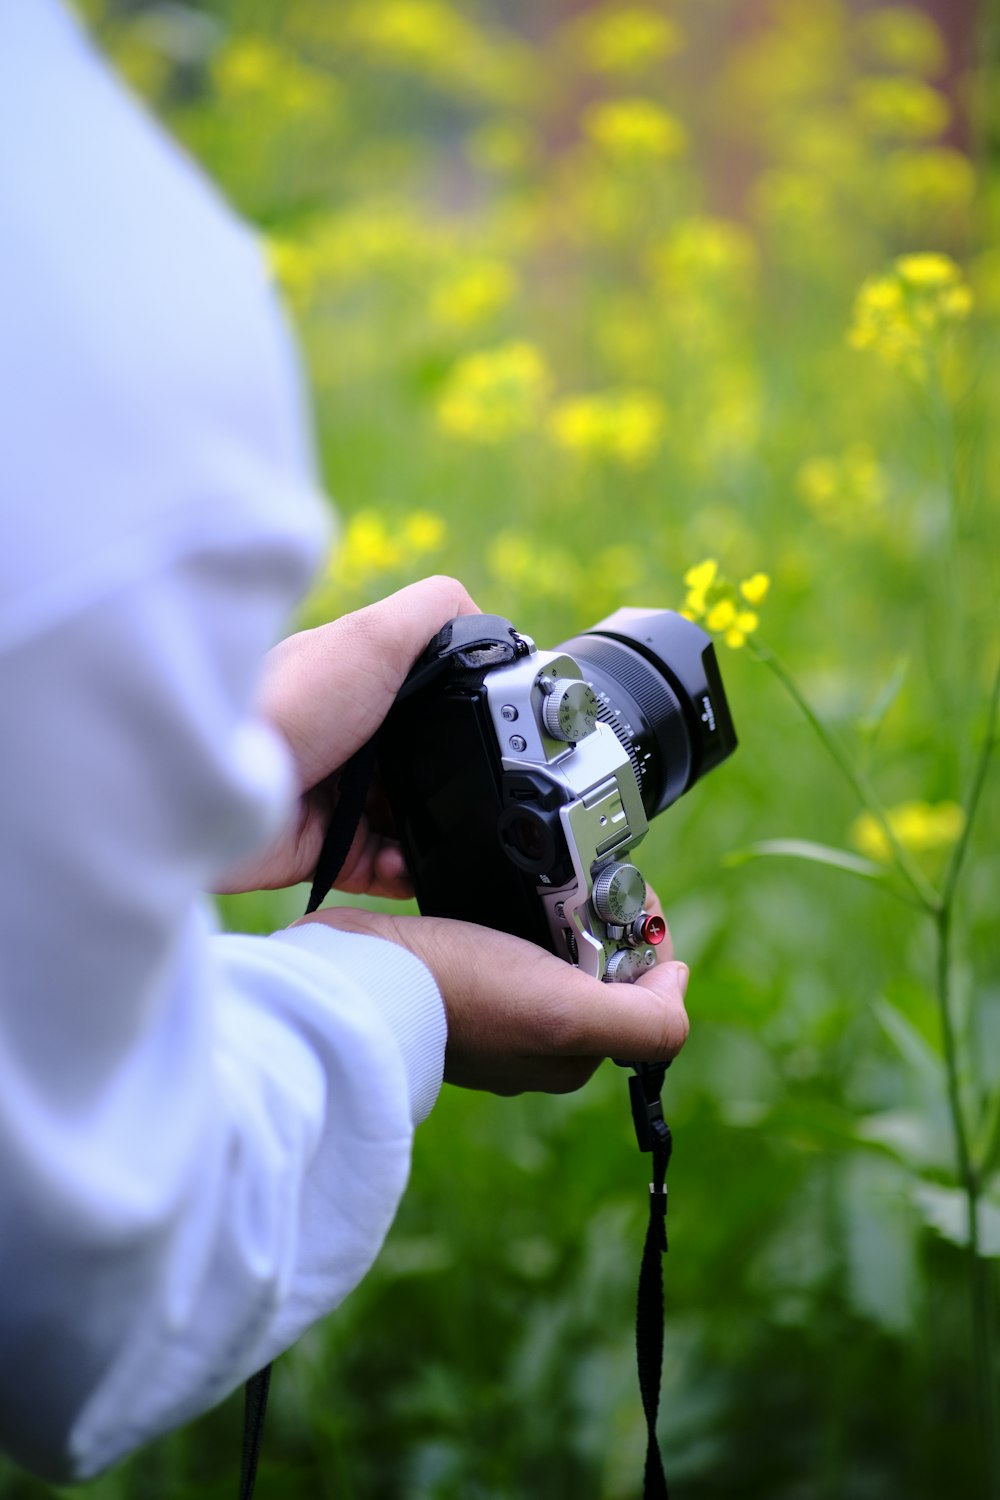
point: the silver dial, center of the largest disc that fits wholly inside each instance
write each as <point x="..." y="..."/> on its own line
<point x="627" y="964"/>
<point x="619" y="894"/>
<point x="570" y="710"/>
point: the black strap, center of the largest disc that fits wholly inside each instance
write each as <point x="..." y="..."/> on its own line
<point x="254" y="1411"/>
<point x="653" y="1135"/>
<point x="355" y="779"/>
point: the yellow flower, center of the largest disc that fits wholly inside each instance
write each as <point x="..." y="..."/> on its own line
<point x="366" y="548"/>
<point x="422" y="532"/>
<point x="495" y="393"/>
<point x="635" y="130"/>
<point x="721" y="615"/>
<point x="898" y="315"/>
<point x="434" y="40"/>
<point x="754" y="589"/>
<point x="920" y="827"/>
<point x="902" y="107"/>
<point x="930" y="180"/>
<point x="928" y="270"/>
<point x="472" y="292"/>
<point x="252" y="72"/>
<point x="622" y="425"/>
<point x="627" y="39"/>
<point x="845" y="489"/>
<point x="721" y="604"/>
<point x="702" y="575"/>
<point x="900" y="36"/>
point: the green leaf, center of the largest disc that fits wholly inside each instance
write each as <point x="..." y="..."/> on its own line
<point x="817" y="854"/>
<point x="912" y="1138"/>
<point x="987" y="1142"/>
<point x="946" y="1209"/>
<point x="911" y="1045"/>
<point x="871" y="723"/>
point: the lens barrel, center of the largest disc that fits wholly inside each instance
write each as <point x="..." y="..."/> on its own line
<point x="660" y="689"/>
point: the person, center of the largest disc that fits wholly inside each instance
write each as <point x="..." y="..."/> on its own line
<point x="203" y="1136"/>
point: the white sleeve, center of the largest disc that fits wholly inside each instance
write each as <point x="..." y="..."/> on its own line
<point x="203" y="1138"/>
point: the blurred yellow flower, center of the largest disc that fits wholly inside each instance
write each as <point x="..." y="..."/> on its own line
<point x="794" y="206"/>
<point x="252" y="71"/>
<point x="634" y="130"/>
<point x="898" y="315"/>
<point x="921" y="827"/>
<point x="900" y="36"/>
<point x="624" y="425"/>
<point x="708" y="254"/>
<point x="719" y="604"/>
<point x="754" y="589"/>
<point x="365" y="548"/>
<point x="422" y="531"/>
<point x="495" y="393"/>
<point x="373" y="545"/>
<point x="369" y="238"/>
<point x="845" y="489"/>
<point x="435" y="40"/>
<point x="702" y="575"/>
<point x="902" y="107"/>
<point x="930" y="180"/>
<point x="472" y="291"/>
<point x="626" y="38"/>
<point x="928" y="270"/>
<point x="721" y="615"/>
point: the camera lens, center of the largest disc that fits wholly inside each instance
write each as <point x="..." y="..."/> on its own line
<point x="658" y="683"/>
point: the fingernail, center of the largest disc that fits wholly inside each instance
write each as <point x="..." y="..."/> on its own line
<point x="683" y="975"/>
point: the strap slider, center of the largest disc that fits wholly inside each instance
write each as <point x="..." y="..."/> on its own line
<point x="647" y="1109"/>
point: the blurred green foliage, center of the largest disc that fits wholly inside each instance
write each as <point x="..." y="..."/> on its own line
<point x="575" y="286"/>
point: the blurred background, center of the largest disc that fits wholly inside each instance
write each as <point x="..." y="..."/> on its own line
<point x="636" y="304"/>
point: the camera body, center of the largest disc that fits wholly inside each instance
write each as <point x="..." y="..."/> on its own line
<point x="521" y="781"/>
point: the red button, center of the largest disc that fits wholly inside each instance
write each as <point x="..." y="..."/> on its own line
<point x="652" y="930"/>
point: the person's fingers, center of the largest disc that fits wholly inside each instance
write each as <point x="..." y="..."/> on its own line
<point x="374" y="866"/>
<point x="327" y="690"/>
<point x="507" y="998"/>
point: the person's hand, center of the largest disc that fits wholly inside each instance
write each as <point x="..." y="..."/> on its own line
<point x="518" y="1017"/>
<point x="327" y="691"/>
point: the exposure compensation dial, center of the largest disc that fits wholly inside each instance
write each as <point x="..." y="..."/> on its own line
<point x="619" y="894"/>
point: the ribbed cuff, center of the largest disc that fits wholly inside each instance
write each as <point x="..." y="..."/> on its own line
<point x="403" y="991"/>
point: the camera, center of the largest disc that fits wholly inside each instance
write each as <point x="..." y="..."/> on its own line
<point x="522" y="780"/>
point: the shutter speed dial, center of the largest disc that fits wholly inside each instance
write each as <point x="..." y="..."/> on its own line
<point x="625" y="966"/>
<point x="570" y="709"/>
<point x="619" y="894"/>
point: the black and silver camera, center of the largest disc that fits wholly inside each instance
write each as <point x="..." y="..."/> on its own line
<point x="521" y="781"/>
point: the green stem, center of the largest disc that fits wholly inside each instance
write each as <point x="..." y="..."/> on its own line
<point x="978" y="1267"/>
<point x="975" y="792"/>
<point x="913" y="875"/>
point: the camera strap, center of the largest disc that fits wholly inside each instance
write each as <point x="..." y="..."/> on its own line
<point x="653" y="1135"/>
